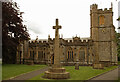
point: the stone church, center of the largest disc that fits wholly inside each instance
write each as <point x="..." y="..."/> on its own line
<point x="100" y="46"/>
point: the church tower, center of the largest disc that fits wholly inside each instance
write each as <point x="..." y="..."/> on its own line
<point x="103" y="35"/>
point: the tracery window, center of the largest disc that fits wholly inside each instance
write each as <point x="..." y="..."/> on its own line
<point x="32" y="53"/>
<point x="70" y="54"/>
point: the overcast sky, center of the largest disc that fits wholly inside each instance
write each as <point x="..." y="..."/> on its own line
<point x="73" y="15"/>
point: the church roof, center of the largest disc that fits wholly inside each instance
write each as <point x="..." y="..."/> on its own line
<point x="83" y="38"/>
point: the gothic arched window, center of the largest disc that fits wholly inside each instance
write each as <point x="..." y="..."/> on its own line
<point x="101" y="20"/>
<point x="72" y="54"/>
<point x="68" y="55"/>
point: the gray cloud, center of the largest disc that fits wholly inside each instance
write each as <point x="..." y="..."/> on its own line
<point x="34" y="27"/>
<point x="5" y="0"/>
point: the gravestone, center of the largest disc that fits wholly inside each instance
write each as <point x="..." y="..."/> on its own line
<point x="77" y="63"/>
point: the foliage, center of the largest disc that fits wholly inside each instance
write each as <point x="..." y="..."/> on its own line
<point x="118" y="44"/>
<point x="118" y="19"/>
<point x="118" y="41"/>
<point x="11" y="70"/>
<point x="118" y="62"/>
<point x="13" y="31"/>
<point x="84" y="73"/>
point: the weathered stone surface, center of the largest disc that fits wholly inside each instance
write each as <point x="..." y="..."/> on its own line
<point x="56" y="71"/>
<point x="100" y="46"/>
<point x="103" y="35"/>
<point x="98" y="66"/>
<point x="29" y="62"/>
<point x="77" y="66"/>
<point x="53" y="75"/>
<point x="106" y="63"/>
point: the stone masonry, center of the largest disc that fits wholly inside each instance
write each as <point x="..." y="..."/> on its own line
<point x="100" y="48"/>
<point x="56" y="71"/>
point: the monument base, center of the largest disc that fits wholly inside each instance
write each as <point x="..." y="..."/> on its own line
<point x="98" y="66"/>
<point x="56" y="73"/>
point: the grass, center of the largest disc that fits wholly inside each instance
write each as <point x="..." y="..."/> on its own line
<point x="84" y="73"/>
<point x="0" y="61"/>
<point x="0" y="69"/>
<point x="11" y="70"/>
<point x="118" y="62"/>
<point x="0" y="72"/>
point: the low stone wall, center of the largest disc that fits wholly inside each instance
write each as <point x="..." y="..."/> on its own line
<point x="73" y="64"/>
<point x="40" y="62"/>
<point x="106" y="63"/>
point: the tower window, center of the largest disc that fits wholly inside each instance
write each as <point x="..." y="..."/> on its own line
<point x="101" y="20"/>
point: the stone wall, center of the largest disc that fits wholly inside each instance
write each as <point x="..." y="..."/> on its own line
<point x="103" y="35"/>
<point x="100" y="47"/>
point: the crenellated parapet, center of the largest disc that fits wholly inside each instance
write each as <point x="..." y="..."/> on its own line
<point x="94" y="8"/>
<point x="38" y="43"/>
<point x="105" y="10"/>
<point x="79" y="42"/>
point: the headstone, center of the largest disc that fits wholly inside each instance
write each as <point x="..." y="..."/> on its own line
<point x="77" y="66"/>
<point x="77" y="62"/>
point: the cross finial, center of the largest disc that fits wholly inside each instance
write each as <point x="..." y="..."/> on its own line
<point x="57" y="25"/>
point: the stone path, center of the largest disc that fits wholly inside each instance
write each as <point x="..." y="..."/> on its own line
<point x="27" y="76"/>
<point x="110" y="76"/>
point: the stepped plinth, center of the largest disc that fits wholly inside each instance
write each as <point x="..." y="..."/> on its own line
<point x="56" y="71"/>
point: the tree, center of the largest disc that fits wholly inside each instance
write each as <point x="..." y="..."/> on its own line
<point x="118" y="44"/>
<point x="118" y="19"/>
<point x="13" y="31"/>
<point x="118" y="41"/>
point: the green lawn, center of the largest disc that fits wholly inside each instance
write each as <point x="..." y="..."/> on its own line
<point x="0" y="61"/>
<point x="118" y="62"/>
<point x="0" y="72"/>
<point x="84" y="73"/>
<point x="11" y="70"/>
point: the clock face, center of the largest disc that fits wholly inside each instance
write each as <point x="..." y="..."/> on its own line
<point x="104" y="34"/>
<point x="103" y="30"/>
